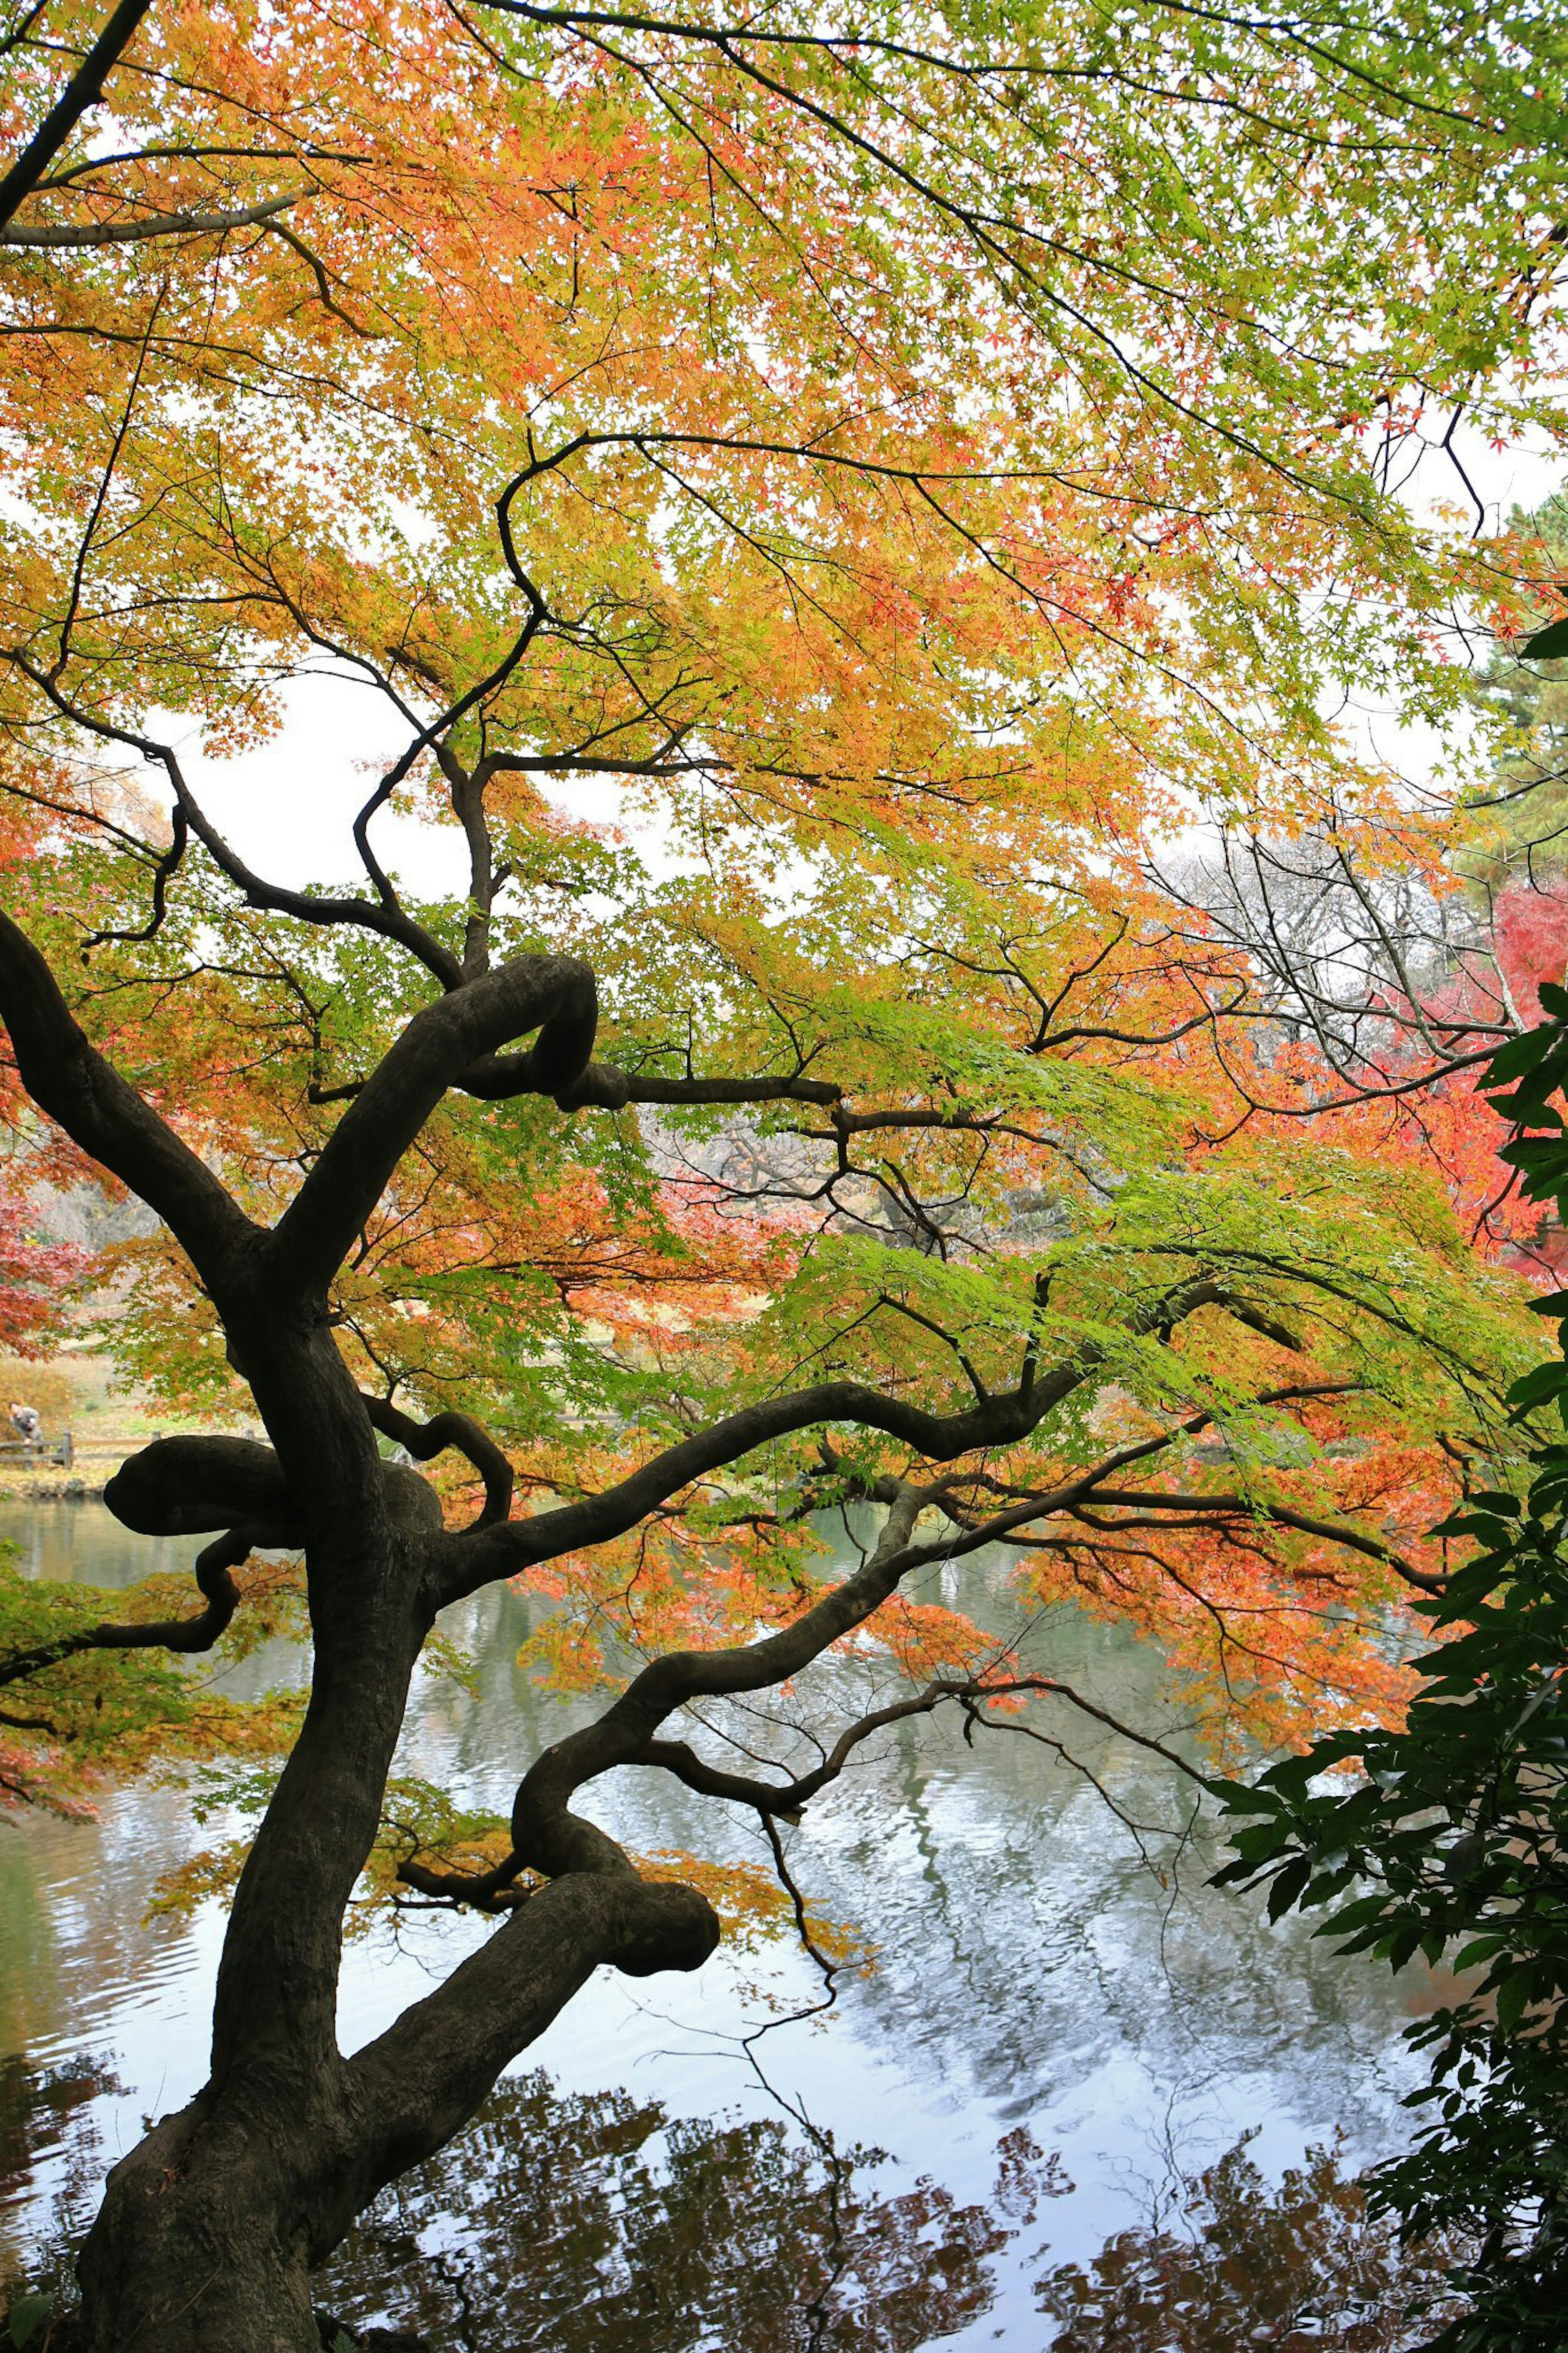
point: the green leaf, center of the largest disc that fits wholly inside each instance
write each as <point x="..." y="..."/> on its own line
<point x="1513" y="1995"/>
<point x="1291" y="1778"/>
<point x="1401" y="1947"/>
<point x="1495" y="1499"/>
<point x="1536" y="1387"/>
<point x="28" y="2314"/>
<point x="1288" y="1887"/>
<point x="1358" y="1914"/>
<point x="1519" y="1055"/>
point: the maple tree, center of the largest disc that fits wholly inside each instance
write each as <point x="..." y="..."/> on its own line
<point x="924" y="477"/>
<point x="33" y="1271"/>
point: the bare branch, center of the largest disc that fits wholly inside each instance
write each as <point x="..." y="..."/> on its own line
<point x="81" y="236"/>
<point x="788" y="1799"/>
<point x="368" y="914"/>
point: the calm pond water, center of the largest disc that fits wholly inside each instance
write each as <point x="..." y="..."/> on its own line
<point x="1053" y="2031"/>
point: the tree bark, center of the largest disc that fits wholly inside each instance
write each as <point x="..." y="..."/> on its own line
<point x="210" y="2229"/>
<point x="201" y="2240"/>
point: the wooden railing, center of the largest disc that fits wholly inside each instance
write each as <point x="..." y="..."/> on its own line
<point x="61" y="1450"/>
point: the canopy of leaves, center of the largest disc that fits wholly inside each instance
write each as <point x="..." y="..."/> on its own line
<point x="1457" y="1824"/>
<point x="912" y="472"/>
<point x="826" y="511"/>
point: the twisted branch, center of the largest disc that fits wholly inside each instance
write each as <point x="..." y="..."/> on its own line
<point x="214" y="1581"/>
<point x="425" y="1440"/>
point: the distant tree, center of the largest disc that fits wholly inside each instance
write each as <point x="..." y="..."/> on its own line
<point x="36" y="1277"/>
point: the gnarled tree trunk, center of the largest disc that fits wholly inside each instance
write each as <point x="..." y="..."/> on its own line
<point x="209" y="2229"/>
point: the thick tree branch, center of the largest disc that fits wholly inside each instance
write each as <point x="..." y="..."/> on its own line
<point x="82" y="91"/>
<point x="417" y="2084"/>
<point x="425" y="1440"/>
<point x="68" y="1078"/>
<point x="602" y="1087"/>
<point x="426" y="2075"/>
<point x="1001" y="1420"/>
<point x="496" y="1078"/>
<point x="79" y="236"/>
<point x="671" y="1681"/>
<point x="188" y="1634"/>
<point x="548" y="1836"/>
<point x="552" y="995"/>
<point x="595" y="1519"/>
<point x="187" y="1486"/>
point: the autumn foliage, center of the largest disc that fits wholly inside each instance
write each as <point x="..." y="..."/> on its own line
<point x="897" y="691"/>
<point x="850" y="533"/>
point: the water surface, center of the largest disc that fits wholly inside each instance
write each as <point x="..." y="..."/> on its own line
<point x="1058" y="2025"/>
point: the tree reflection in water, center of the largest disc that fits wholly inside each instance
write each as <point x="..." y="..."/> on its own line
<point x="597" y="2221"/>
<point x="1230" y="2262"/>
<point x="579" y="2224"/>
<point x="45" y="2118"/>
